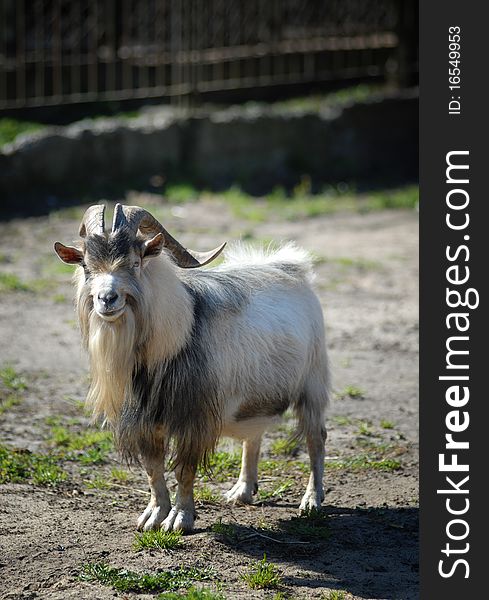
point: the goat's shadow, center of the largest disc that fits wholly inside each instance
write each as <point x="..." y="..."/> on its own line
<point x="370" y="552"/>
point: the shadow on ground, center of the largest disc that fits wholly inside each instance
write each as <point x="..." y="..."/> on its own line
<point x="370" y="552"/>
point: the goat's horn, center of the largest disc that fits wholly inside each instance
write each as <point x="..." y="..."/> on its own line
<point x="93" y="221"/>
<point x="136" y="218"/>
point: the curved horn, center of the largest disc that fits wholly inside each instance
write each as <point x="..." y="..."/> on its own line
<point x="93" y="221"/>
<point x="136" y="218"/>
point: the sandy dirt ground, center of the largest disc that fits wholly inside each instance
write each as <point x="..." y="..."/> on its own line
<point x="367" y="276"/>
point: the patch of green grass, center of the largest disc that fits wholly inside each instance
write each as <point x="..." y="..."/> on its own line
<point x="98" y="482"/>
<point x="192" y="594"/>
<point x="60" y="298"/>
<point x="124" y="580"/>
<point x="120" y="475"/>
<point x="365" y="462"/>
<point x="22" y="465"/>
<point x="317" y="102"/>
<point x="11" y="379"/>
<point x="286" y="447"/>
<point x="406" y="197"/>
<point x="277" y="492"/>
<point x="263" y="575"/>
<point x="11" y="128"/>
<point x="7" y="403"/>
<point x="180" y="193"/>
<point x="89" y="447"/>
<point x="351" y="391"/>
<point x="222" y="466"/>
<point x="311" y="525"/>
<point x="334" y="595"/>
<point x="387" y="424"/>
<point x="281" y="596"/>
<point x="157" y="540"/>
<point x="271" y="467"/>
<point x="12" y="386"/>
<point x="244" y="206"/>
<point x="225" y="530"/>
<point x="364" y="429"/>
<point x="11" y="283"/>
<point x="205" y="495"/>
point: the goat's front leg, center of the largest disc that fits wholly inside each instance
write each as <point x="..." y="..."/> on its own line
<point x="159" y="505"/>
<point x="247" y="484"/>
<point x="182" y="515"/>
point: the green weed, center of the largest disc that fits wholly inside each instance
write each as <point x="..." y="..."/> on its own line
<point x="222" y="466"/>
<point x="120" y="475"/>
<point x="12" y="386"/>
<point x="123" y="580"/>
<point x="225" y="530"/>
<point x="89" y="447"/>
<point x="334" y="595"/>
<point x="192" y="594"/>
<point x="263" y="575"/>
<point x="157" y="539"/>
<point x="11" y="379"/>
<point x="22" y="465"/>
<point x="286" y="447"/>
<point x="276" y="493"/>
<point x="364" y="429"/>
<point x="8" y="402"/>
<point x="98" y="482"/>
<point x="205" y="495"/>
<point x="311" y="525"/>
<point x="360" y="463"/>
<point x="387" y="424"/>
<point x="351" y="391"/>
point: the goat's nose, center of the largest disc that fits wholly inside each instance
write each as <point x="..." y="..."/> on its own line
<point x="108" y="297"/>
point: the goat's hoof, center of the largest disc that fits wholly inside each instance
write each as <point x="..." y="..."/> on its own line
<point x="311" y="501"/>
<point x="242" y="493"/>
<point x="152" y="517"/>
<point x="179" y="519"/>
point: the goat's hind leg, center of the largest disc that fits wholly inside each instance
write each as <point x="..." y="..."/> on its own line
<point x="247" y="484"/>
<point x="159" y="504"/>
<point x="314" y="495"/>
<point x="311" y="414"/>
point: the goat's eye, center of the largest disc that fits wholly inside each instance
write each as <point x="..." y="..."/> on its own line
<point x="136" y="264"/>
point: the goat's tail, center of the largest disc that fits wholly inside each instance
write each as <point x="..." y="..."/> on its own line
<point x="287" y="256"/>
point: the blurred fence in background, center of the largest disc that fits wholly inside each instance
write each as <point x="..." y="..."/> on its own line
<point x="61" y="51"/>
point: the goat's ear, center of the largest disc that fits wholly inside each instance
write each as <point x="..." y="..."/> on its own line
<point x="68" y="254"/>
<point x="154" y="246"/>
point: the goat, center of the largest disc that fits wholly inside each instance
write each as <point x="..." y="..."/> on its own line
<point x="179" y="358"/>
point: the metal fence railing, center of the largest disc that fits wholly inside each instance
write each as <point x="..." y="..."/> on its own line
<point x="61" y="51"/>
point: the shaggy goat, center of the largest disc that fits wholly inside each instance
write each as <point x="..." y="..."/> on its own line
<point x="179" y="358"/>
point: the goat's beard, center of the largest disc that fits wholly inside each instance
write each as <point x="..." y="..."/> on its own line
<point x="111" y="347"/>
